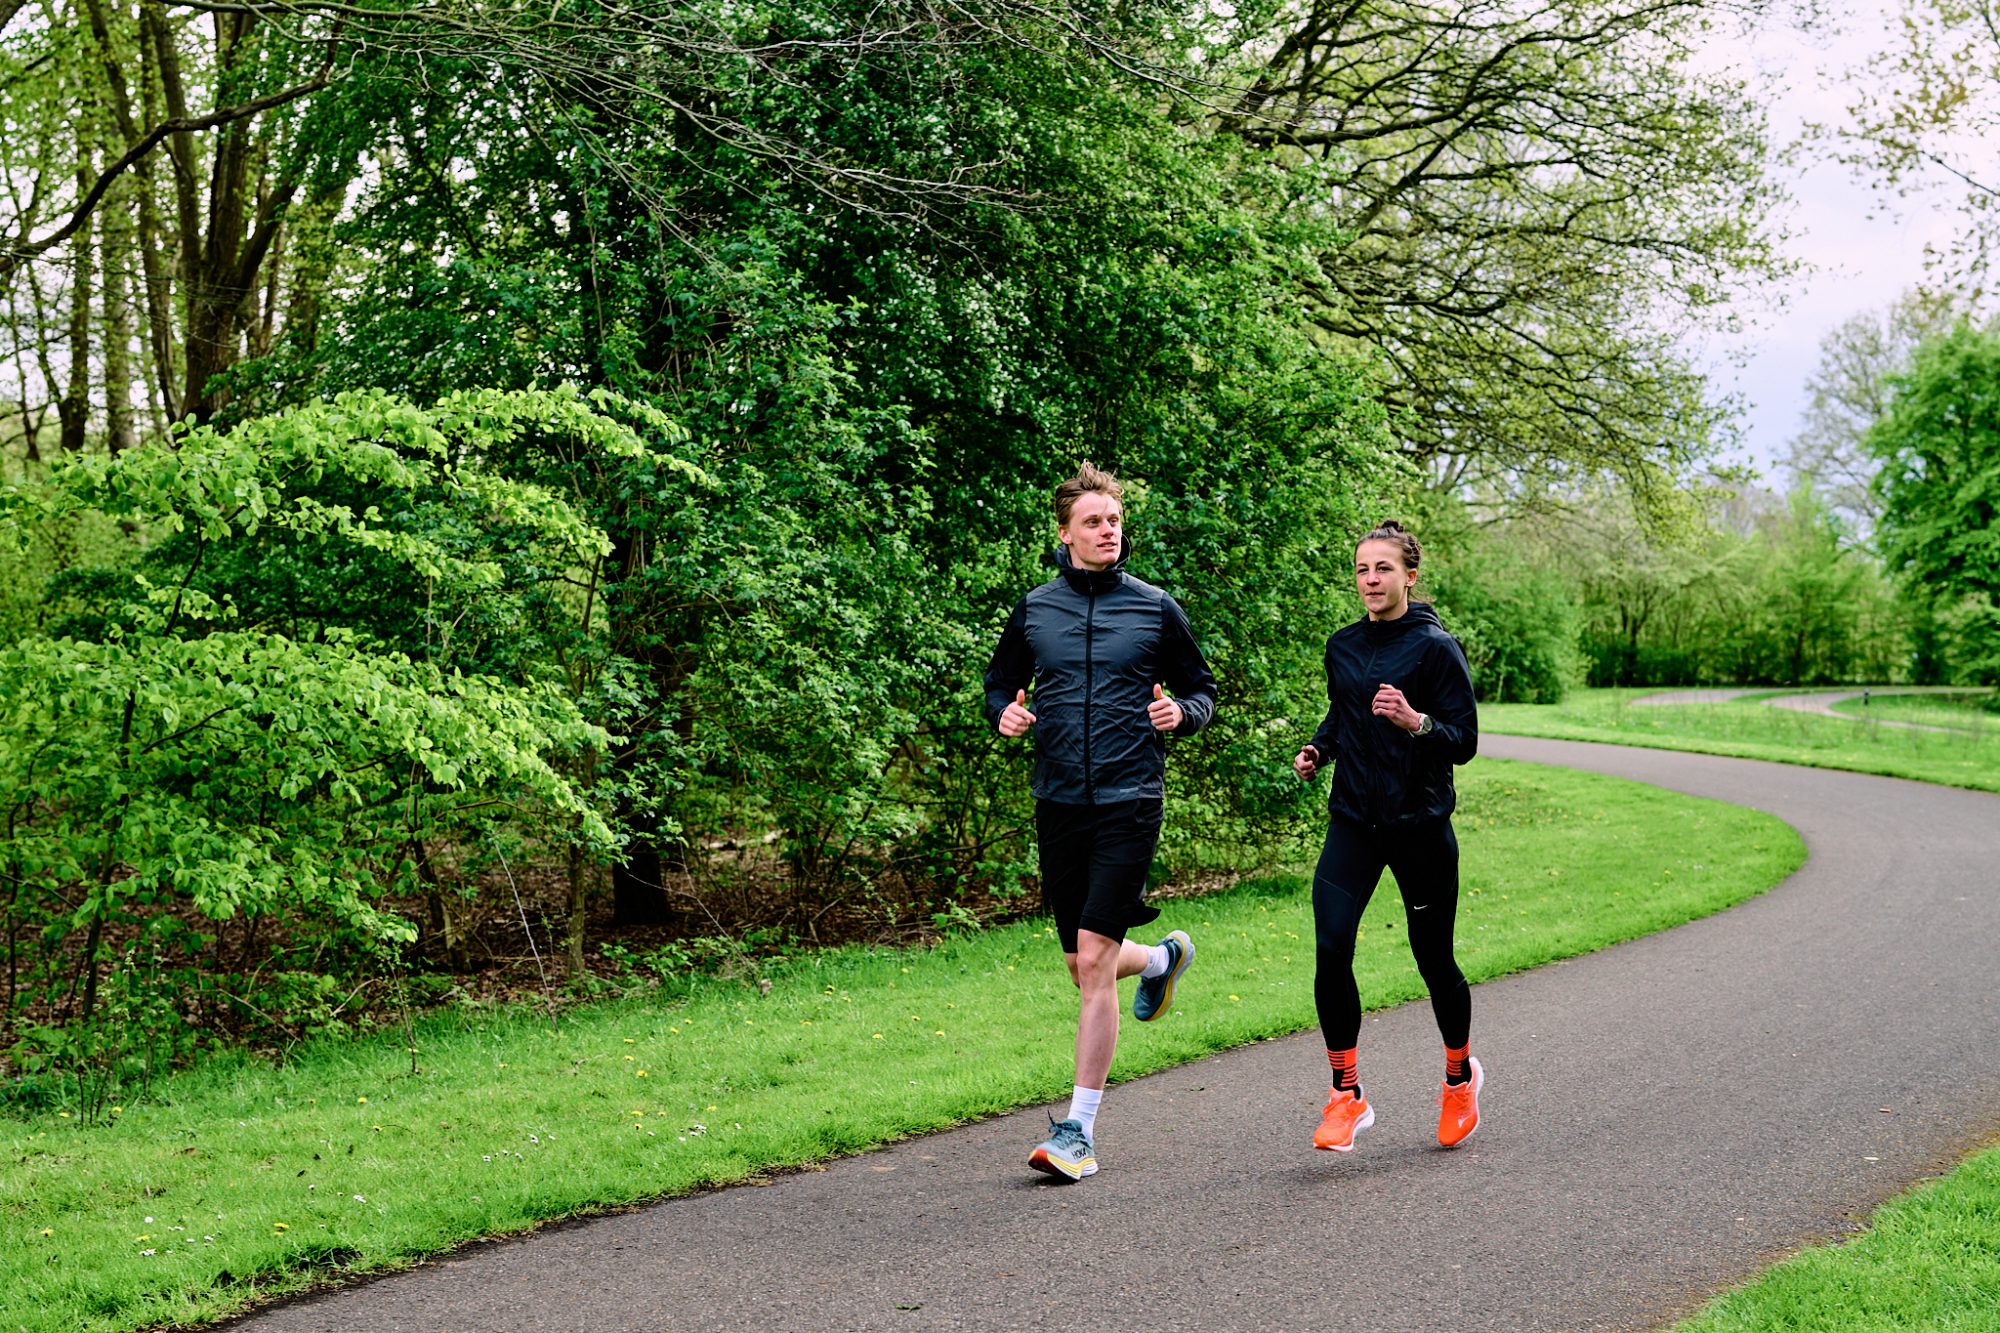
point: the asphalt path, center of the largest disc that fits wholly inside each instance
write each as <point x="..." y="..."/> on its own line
<point x="1823" y="701"/>
<point x="1663" y="1119"/>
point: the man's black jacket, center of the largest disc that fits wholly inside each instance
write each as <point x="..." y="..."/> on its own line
<point x="1383" y="775"/>
<point x="1093" y="643"/>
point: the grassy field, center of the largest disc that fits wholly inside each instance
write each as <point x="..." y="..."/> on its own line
<point x="239" y="1180"/>
<point x="1962" y="711"/>
<point x="1930" y="1260"/>
<point x="1749" y="729"/>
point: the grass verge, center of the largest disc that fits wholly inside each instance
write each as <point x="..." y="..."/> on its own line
<point x="1964" y="711"/>
<point x="238" y="1180"/>
<point x="1929" y="1260"/>
<point x="1748" y="729"/>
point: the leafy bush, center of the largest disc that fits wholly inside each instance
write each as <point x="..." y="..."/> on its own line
<point x="224" y="738"/>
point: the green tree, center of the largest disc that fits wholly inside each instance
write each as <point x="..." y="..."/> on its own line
<point x="1518" y="194"/>
<point x="1848" y="392"/>
<point x="203" y="734"/>
<point x="1939" y="483"/>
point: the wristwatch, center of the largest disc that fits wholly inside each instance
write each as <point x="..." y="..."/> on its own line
<point x="1423" y="727"/>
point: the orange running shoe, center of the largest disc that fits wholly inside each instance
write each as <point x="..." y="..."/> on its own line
<point x="1346" y="1115"/>
<point x="1458" y="1108"/>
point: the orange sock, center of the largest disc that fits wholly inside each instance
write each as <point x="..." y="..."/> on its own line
<point x="1345" y="1076"/>
<point x="1455" y="1068"/>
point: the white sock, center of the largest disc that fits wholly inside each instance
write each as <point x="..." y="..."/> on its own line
<point x="1083" y="1106"/>
<point x="1156" y="962"/>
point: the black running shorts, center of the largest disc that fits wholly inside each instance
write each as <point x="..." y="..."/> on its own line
<point x="1095" y="859"/>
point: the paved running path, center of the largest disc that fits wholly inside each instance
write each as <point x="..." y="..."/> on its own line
<point x="1663" y="1119"/>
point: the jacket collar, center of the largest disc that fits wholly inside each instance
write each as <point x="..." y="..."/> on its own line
<point x="1090" y="582"/>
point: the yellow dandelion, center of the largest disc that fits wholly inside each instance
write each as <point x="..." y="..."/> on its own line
<point x="279" y="1226"/>
<point x="361" y="1101"/>
<point x="711" y="1106"/>
<point x="1236" y="997"/>
<point x="48" y="1231"/>
<point x="631" y="1057"/>
<point x="940" y="1032"/>
<point x="147" y="1236"/>
<point x="638" y="1073"/>
<point x="878" y="1036"/>
<point x="630" y="1042"/>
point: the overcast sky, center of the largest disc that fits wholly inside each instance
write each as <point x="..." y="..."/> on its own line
<point x="1864" y="248"/>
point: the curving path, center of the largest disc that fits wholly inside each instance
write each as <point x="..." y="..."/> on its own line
<point x="1663" y="1119"/>
<point x="1815" y="701"/>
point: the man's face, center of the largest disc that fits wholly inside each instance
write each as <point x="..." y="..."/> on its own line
<point x="1382" y="579"/>
<point x="1095" y="532"/>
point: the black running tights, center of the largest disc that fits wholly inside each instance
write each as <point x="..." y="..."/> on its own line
<point x="1424" y="860"/>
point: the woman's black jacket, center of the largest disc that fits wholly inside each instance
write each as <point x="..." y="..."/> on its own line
<point x="1382" y="774"/>
<point x="1092" y="644"/>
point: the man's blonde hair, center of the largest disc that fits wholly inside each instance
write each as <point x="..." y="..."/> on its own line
<point x="1088" y="478"/>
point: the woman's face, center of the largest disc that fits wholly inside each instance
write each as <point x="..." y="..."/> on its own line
<point x="1382" y="579"/>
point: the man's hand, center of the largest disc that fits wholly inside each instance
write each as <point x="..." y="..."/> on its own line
<point x="1390" y="703"/>
<point x="1015" y="719"/>
<point x="1164" y="712"/>
<point x="1306" y="763"/>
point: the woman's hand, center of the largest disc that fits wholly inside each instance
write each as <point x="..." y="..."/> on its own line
<point x="1306" y="763"/>
<point x="1390" y="703"/>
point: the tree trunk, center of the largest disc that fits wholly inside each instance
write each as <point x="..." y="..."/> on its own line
<point x="578" y="893"/>
<point x="115" y="271"/>
<point x="73" y="410"/>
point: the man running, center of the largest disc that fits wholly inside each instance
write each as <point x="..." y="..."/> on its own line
<point x="1098" y="645"/>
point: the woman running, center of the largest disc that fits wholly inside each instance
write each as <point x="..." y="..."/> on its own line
<point x="1400" y="713"/>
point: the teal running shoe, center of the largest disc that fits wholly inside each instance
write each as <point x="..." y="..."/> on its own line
<point x="1067" y="1152"/>
<point x="1156" y="993"/>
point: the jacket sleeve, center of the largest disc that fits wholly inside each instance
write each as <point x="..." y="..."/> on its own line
<point x="1012" y="667"/>
<point x="1327" y="739"/>
<point x="1185" y="670"/>
<point x="1454" y="714"/>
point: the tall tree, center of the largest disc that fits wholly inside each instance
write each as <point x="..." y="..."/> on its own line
<point x="1848" y="392"/>
<point x="1534" y="200"/>
<point x="1939" y="448"/>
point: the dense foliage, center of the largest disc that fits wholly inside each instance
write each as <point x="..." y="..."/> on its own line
<point x="891" y="271"/>
<point x="335" y="660"/>
<point x="1939" y="449"/>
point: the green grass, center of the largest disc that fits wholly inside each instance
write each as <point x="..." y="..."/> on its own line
<point x="1929" y="1260"/>
<point x="1751" y="730"/>
<point x="239" y="1179"/>
<point x="1929" y="710"/>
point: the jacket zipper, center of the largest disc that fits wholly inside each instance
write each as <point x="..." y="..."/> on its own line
<point x="1089" y="690"/>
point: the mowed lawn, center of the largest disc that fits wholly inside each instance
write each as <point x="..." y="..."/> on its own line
<point x="240" y="1180"/>
<point x="1752" y="729"/>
